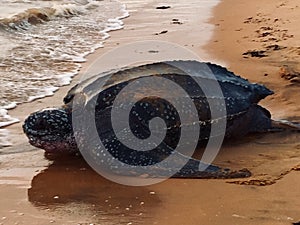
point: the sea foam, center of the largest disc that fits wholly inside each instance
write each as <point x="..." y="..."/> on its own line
<point x="44" y="43"/>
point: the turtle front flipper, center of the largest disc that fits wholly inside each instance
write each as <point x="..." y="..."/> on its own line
<point x="163" y="161"/>
<point x="193" y="170"/>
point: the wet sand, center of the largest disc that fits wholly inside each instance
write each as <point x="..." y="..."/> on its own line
<point x="37" y="191"/>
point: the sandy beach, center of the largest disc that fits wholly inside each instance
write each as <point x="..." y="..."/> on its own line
<point x="258" y="40"/>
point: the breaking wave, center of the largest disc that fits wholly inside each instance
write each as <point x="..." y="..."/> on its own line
<point x="42" y="48"/>
<point x="34" y="16"/>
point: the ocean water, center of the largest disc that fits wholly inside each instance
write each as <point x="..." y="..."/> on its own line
<point x="43" y="43"/>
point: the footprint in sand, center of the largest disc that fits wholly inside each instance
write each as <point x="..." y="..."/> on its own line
<point x="288" y="73"/>
<point x="275" y="47"/>
<point x="176" y="21"/>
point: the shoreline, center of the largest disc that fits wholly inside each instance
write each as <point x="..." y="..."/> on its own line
<point x="176" y="201"/>
<point x="130" y="33"/>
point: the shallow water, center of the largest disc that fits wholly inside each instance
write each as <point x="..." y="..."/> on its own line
<point x="44" y="42"/>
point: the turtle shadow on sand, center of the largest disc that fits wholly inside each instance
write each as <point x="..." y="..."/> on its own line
<point x="70" y="186"/>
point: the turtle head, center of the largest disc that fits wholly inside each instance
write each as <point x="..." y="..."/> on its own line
<point x="51" y="130"/>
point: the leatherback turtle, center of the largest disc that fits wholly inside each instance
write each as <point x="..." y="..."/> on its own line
<point x="51" y="129"/>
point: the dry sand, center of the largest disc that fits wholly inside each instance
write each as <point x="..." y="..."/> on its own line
<point x="68" y="192"/>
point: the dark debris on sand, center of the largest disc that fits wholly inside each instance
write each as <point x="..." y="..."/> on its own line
<point x="162" y="32"/>
<point x="256" y="53"/>
<point x="163" y="7"/>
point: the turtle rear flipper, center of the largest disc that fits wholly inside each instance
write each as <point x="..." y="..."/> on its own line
<point x="255" y="120"/>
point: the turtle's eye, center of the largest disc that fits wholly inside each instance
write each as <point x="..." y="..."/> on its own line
<point x="42" y="124"/>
